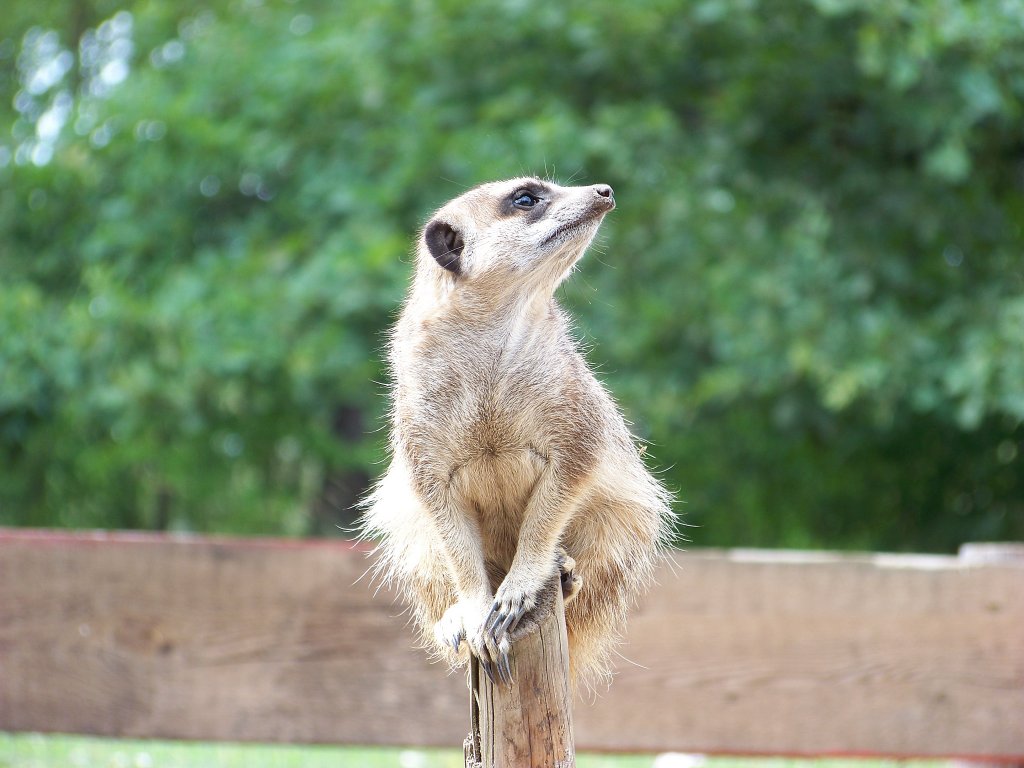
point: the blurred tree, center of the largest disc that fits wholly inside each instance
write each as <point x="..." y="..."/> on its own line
<point x="809" y="300"/>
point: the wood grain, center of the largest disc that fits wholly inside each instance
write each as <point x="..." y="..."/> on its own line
<point x="199" y="639"/>
<point x="781" y="653"/>
<point x="527" y="723"/>
<point x="734" y="652"/>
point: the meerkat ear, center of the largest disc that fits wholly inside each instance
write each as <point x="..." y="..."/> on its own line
<point x="445" y="244"/>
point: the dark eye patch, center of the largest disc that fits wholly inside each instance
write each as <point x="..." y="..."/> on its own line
<point x="532" y="199"/>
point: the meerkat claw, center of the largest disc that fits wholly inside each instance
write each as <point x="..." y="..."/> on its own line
<point x="487" y="667"/>
<point x="505" y="667"/>
<point x="492" y="615"/>
<point x="494" y="619"/>
<point x="504" y="618"/>
<point x="501" y="629"/>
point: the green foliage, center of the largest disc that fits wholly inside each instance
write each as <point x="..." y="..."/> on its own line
<point x="810" y="299"/>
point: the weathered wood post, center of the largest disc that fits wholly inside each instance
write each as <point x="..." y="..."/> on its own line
<point x="526" y="723"/>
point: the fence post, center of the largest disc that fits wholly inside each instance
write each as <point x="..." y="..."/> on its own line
<point x="526" y="723"/>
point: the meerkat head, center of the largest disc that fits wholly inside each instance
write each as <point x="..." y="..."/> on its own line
<point x="520" y="233"/>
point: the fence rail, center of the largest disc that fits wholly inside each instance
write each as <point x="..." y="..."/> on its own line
<point x="733" y="652"/>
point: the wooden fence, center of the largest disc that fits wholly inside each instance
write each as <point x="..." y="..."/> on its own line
<point x="733" y="652"/>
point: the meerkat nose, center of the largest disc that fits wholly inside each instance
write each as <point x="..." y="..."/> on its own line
<point x="604" y="190"/>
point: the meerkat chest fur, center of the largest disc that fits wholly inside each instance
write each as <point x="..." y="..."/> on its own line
<point x="489" y="399"/>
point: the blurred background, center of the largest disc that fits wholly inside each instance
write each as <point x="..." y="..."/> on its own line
<point x="810" y="300"/>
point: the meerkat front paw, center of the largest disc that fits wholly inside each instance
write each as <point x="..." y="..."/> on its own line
<point x="464" y="622"/>
<point x="513" y="615"/>
<point x="459" y="623"/>
<point x="511" y="603"/>
<point x="492" y="653"/>
<point x="517" y="610"/>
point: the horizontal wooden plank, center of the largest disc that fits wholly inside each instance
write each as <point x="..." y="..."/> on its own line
<point x="823" y="655"/>
<point x="734" y="652"/>
<point x="130" y="635"/>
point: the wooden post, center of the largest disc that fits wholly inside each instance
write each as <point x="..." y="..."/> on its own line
<point x="526" y="723"/>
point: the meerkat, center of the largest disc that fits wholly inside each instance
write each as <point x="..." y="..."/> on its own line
<point x="509" y="460"/>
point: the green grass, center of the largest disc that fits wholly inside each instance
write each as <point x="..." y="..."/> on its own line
<point x="47" y="751"/>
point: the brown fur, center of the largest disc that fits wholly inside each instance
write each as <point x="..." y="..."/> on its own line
<point x="505" y="447"/>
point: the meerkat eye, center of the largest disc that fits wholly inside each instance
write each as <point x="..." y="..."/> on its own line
<point x="523" y="199"/>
